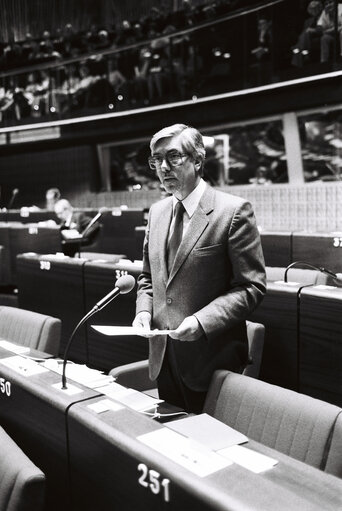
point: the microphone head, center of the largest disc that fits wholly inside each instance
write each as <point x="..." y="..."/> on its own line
<point x="125" y="283"/>
<point x="15" y="191"/>
<point x="104" y="209"/>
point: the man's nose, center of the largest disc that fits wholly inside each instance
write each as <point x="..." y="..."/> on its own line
<point x="165" y="166"/>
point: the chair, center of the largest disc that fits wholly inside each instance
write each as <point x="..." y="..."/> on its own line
<point x="297" y="425"/>
<point x="22" y="484"/>
<point x="135" y="374"/>
<point x="31" y="329"/>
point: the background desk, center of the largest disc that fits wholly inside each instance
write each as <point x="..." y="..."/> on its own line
<point x="320" y="351"/>
<point x="318" y="248"/>
<point x="54" y="286"/>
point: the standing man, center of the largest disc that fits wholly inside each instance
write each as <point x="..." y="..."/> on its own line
<point x="203" y="273"/>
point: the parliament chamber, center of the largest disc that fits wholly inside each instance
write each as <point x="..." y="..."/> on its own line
<point x="82" y="92"/>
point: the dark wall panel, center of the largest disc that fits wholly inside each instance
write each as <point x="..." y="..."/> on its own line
<point x="72" y="169"/>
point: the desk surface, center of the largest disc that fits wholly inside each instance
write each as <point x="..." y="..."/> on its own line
<point x="94" y="458"/>
<point x="110" y="441"/>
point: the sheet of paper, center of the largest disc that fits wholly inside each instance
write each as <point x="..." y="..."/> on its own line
<point x="208" y="430"/>
<point x="104" y="405"/>
<point x="15" y="348"/>
<point x="247" y="458"/>
<point x="187" y="453"/>
<point x="128" y="330"/>
<point x="134" y="399"/>
<point x="23" y="366"/>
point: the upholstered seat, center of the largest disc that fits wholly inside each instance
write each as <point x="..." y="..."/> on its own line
<point x="30" y="329"/>
<point x="22" y="484"/>
<point x="300" y="426"/>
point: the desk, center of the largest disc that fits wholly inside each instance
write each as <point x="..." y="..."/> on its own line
<point x="320" y="372"/>
<point x="60" y="284"/>
<point x="279" y="313"/>
<point x="108" y="352"/>
<point x="117" y="232"/>
<point x="104" y="459"/>
<point x="93" y="458"/>
<point x="277" y="247"/>
<point x="34" y="416"/>
<point x="319" y="249"/>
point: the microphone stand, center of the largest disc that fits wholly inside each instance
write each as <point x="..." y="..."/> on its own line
<point x="320" y="268"/>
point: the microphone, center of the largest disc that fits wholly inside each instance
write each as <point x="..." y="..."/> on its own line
<point x="123" y="285"/>
<point x="320" y="268"/>
<point x="15" y="192"/>
<point x="94" y="220"/>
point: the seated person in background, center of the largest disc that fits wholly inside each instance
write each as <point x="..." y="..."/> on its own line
<point x="309" y="37"/>
<point x="73" y="225"/>
<point x="52" y="196"/>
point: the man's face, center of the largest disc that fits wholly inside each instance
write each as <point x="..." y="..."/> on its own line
<point x="62" y="213"/>
<point x="181" y="179"/>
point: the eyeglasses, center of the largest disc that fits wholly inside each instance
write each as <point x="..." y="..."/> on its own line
<point x="173" y="158"/>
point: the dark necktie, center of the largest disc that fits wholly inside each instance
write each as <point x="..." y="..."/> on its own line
<point x="176" y="236"/>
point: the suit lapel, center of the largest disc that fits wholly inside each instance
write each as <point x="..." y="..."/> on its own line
<point x="197" y="225"/>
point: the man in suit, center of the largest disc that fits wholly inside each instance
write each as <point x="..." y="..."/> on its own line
<point x="73" y="224"/>
<point x="204" y="290"/>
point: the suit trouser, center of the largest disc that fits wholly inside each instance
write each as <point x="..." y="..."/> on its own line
<point x="171" y="387"/>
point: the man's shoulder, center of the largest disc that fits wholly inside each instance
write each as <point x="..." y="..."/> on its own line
<point x="228" y="199"/>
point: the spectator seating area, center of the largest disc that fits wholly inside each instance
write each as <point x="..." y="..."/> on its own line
<point x="161" y="57"/>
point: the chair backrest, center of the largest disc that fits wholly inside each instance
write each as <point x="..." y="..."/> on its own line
<point x="300" y="426"/>
<point x="30" y="329"/>
<point x="256" y="336"/>
<point x="22" y="484"/>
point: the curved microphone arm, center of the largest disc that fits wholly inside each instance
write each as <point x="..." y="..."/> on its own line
<point x="123" y="285"/>
<point x="320" y="268"/>
<point x="83" y="320"/>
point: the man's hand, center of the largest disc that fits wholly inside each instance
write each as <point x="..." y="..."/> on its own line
<point x="142" y="320"/>
<point x="189" y="330"/>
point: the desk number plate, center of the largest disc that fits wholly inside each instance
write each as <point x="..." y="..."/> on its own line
<point x="151" y="479"/>
<point x="5" y="387"/>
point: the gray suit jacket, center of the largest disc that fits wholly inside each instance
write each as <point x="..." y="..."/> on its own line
<point x="218" y="276"/>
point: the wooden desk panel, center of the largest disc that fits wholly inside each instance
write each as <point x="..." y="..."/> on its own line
<point x="319" y="249"/>
<point x="279" y="313"/>
<point x="277" y="247"/>
<point x="320" y="357"/>
<point x="108" y="352"/>
<point x="54" y="286"/>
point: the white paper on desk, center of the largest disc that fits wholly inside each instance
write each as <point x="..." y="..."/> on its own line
<point x="128" y="330"/>
<point x="24" y="366"/>
<point x="189" y="454"/>
<point x="15" y="348"/>
<point x="247" y="458"/>
<point x="208" y="430"/>
<point x="136" y="400"/>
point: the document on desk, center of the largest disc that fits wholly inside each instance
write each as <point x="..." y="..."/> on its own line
<point x="24" y="366"/>
<point x="132" y="398"/>
<point x="189" y="454"/>
<point x="15" y="348"/>
<point x="247" y="458"/>
<point x="208" y="430"/>
<point x="128" y="330"/>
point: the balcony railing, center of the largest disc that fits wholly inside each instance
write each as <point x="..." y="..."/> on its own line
<point x="262" y="45"/>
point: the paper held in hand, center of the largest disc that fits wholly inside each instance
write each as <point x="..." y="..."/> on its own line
<point x="128" y="330"/>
